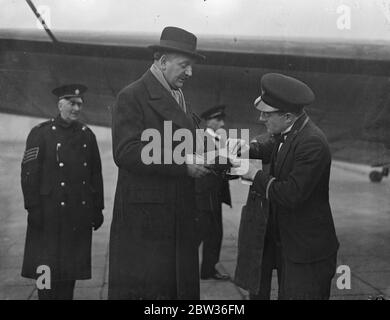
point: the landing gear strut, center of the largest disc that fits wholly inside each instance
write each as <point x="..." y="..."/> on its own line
<point x="376" y="176"/>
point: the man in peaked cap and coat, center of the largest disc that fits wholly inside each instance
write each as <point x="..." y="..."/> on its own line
<point x="300" y="239"/>
<point x="211" y="191"/>
<point x="63" y="193"/>
<point x="153" y="240"/>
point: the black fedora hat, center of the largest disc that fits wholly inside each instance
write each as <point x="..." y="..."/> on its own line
<point x="178" y="40"/>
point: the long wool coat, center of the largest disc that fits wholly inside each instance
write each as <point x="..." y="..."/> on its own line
<point x="62" y="183"/>
<point x="153" y="249"/>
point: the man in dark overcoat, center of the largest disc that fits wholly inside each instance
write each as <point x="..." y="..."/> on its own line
<point x="153" y="239"/>
<point x="300" y="239"/>
<point x="211" y="191"/>
<point x="63" y="193"/>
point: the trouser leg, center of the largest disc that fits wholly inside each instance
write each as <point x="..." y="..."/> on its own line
<point x="307" y="281"/>
<point x="269" y="263"/>
<point x="60" y="290"/>
<point x="212" y="242"/>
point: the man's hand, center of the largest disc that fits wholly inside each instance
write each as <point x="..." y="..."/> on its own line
<point x="248" y="174"/>
<point x="35" y="217"/>
<point x="98" y="220"/>
<point x="197" y="170"/>
<point x="237" y="147"/>
<point x="195" y="166"/>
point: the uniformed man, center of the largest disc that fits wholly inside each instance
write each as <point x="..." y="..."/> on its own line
<point x="300" y="239"/>
<point x="211" y="191"/>
<point x="63" y="194"/>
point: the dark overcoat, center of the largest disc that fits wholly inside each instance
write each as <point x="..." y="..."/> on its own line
<point x="153" y="248"/>
<point x="62" y="182"/>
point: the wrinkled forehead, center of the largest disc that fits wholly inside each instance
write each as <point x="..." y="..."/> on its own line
<point x="75" y="100"/>
<point x="180" y="58"/>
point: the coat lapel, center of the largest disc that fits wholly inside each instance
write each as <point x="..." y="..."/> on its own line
<point x="282" y="154"/>
<point x="164" y="104"/>
<point x="273" y="157"/>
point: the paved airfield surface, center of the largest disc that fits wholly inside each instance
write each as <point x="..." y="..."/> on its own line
<point x="361" y="212"/>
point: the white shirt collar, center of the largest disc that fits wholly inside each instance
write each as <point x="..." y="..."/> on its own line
<point x="288" y="129"/>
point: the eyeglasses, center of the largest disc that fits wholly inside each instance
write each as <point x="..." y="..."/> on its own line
<point x="267" y="115"/>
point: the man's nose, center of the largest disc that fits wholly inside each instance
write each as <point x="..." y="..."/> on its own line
<point x="188" y="71"/>
<point x="76" y="107"/>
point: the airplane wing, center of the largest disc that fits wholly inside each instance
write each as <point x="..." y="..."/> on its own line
<point x="350" y="79"/>
<point x="253" y="52"/>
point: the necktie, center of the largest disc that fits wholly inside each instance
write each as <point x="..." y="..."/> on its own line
<point x="179" y="99"/>
<point x="280" y="138"/>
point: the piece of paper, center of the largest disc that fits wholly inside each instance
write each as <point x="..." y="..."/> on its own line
<point x="243" y="167"/>
<point x="195" y="159"/>
<point x="235" y="146"/>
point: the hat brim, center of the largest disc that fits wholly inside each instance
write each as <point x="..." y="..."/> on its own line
<point x="192" y="54"/>
<point x="263" y="107"/>
<point x="68" y="96"/>
<point x="215" y="116"/>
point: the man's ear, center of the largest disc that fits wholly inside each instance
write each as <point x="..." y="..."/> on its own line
<point x="163" y="61"/>
<point x="290" y="117"/>
<point x="61" y="104"/>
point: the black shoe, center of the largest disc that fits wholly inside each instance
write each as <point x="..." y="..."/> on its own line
<point x="216" y="276"/>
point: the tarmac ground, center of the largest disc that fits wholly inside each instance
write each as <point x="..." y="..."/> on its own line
<point x="361" y="211"/>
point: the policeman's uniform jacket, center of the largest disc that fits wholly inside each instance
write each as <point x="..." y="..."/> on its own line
<point x="153" y="241"/>
<point x="62" y="183"/>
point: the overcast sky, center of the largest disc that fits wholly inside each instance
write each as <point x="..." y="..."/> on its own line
<point x="340" y="19"/>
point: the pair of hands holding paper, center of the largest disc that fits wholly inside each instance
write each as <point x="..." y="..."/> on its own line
<point x="242" y="165"/>
<point x="236" y="155"/>
<point x="196" y="167"/>
<point x="213" y="162"/>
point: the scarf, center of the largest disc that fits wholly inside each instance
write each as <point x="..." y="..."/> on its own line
<point x="176" y="94"/>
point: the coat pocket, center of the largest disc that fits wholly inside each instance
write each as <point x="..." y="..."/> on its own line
<point x="145" y="196"/>
<point x="158" y="222"/>
<point x="148" y="214"/>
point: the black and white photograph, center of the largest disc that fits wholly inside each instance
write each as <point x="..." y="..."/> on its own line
<point x="195" y="150"/>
